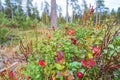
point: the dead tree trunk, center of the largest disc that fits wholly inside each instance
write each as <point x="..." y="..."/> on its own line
<point x="53" y="14"/>
<point x="66" y="11"/>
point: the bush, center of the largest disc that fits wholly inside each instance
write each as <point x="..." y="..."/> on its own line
<point x="74" y="55"/>
<point x="4" y="32"/>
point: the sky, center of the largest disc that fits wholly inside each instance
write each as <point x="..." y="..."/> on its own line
<point x="108" y="3"/>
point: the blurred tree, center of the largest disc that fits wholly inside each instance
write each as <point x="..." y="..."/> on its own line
<point x="84" y="5"/>
<point x="67" y="11"/>
<point x="12" y="8"/>
<point x="53" y="14"/>
<point x="113" y="15"/>
<point x="61" y="19"/>
<point x="85" y="10"/>
<point x="35" y="12"/>
<point x="45" y="8"/>
<point x="99" y="6"/>
<point x="76" y="10"/>
<point x="9" y="9"/>
<point x="29" y="7"/>
<point x="77" y="14"/>
<point x="105" y="14"/>
<point x="19" y="12"/>
<point x="59" y="10"/>
<point x="100" y="3"/>
<point x="118" y="15"/>
<point x="0" y="6"/>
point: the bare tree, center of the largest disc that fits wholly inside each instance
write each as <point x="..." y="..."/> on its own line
<point x="66" y="11"/>
<point x="53" y="14"/>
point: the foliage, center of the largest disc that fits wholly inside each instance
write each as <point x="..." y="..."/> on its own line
<point x="71" y="52"/>
<point x="7" y="36"/>
<point x="4" y="33"/>
<point x="75" y="53"/>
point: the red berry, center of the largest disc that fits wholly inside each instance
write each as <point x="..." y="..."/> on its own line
<point x="42" y="63"/>
<point x="80" y="75"/>
<point x="74" y="41"/>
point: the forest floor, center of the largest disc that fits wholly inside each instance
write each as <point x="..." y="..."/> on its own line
<point x="10" y="52"/>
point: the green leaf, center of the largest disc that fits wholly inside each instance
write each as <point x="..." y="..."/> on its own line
<point x="100" y="38"/>
<point x="118" y="49"/>
<point x="74" y="69"/>
<point x="37" y="76"/>
<point x="73" y="64"/>
<point x="111" y="46"/>
<point x="105" y="51"/>
<point x="82" y="56"/>
<point x="111" y="52"/>
<point x="82" y="70"/>
<point x="59" y="67"/>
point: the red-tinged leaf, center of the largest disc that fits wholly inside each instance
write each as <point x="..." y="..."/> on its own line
<point x="71" y="78"/>
<point x="67" y="73"/>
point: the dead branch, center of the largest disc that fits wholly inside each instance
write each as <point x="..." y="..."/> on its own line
<point x="15" y="64"/>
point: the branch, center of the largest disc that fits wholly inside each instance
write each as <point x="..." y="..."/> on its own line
<point x="5" y="69"/>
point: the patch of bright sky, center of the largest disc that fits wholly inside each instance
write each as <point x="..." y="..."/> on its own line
<point x="108" y="3"/>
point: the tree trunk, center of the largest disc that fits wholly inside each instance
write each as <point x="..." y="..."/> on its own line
<point x="53" y="14"/>
<point x="27" y="9"/>
<point x="96" y="23"/>
<point x="12" y="12"/>
<point x="72" y="15"/>
<point x="84" y="18"/>
<point x="100" y="17"/>
<point x="66" y="11"/>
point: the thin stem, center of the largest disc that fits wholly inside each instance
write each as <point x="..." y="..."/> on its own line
<point x="36" y="36"/>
